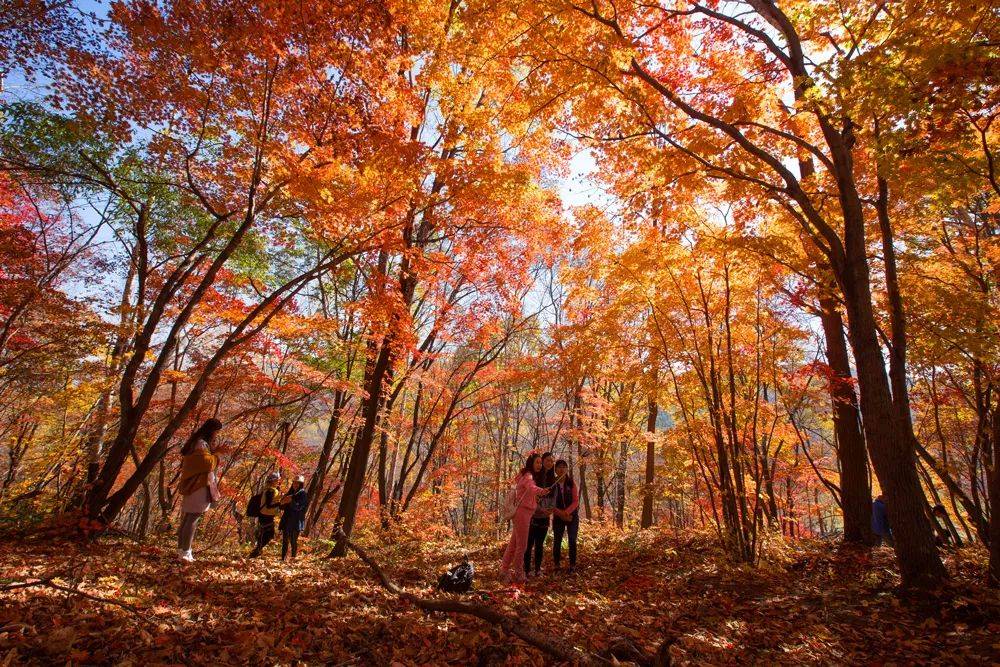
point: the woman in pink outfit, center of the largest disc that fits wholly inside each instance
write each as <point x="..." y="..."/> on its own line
<point x="512" y="566"/>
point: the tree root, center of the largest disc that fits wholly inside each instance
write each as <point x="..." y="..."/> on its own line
<point x="49" y="583"/>
<point x="559" y="650"/>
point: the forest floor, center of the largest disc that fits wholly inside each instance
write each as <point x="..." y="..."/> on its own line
<point x="811" y="604"/>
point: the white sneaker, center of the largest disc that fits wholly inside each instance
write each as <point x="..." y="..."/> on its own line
<point x="187" y="556"/>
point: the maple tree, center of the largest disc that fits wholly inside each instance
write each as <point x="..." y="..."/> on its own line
<point x="733" y="261"/>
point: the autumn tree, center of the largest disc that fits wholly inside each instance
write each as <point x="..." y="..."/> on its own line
<point x="726" y="114"/>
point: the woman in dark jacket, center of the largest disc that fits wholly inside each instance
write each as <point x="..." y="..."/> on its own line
<point x="293" y="518"/>
<point x="540" y="520"/>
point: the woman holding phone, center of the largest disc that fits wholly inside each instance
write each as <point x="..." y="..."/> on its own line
<point x="512" y="565"/>
<point x="538" y="529"/>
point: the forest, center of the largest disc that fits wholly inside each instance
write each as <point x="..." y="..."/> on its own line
<point x="335" y="275"/>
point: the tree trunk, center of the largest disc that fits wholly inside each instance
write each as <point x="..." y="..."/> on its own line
<point x="584" y="492"/>
<point x="647" y="495"/>
<point x="318" y="480"/>
<point x="892" y="452"/>
<point x="354" y="483"/>
<point x="851" y="450"/>
<point x="620" y="495"/>
<point x="994" y="495"/>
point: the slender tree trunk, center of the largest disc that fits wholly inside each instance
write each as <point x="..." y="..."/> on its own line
<point x="647" y="495"/>
<point x="994" y="495"/>
<point x="584" y="492"/>
<point x="620" y="474"/>
<point x="318" y="480"/>
<point x="600" y="494"/>
<point x="354" y="483"/>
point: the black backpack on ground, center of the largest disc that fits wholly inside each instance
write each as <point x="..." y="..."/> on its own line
<point x="253" y="506"/>
<point x="458" y="579"/>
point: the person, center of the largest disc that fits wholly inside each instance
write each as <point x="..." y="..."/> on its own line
<point x="566" y="518"/>
<point x="270" y="505"/>
<point x="198" y="484"/>
<point x="293" y="516"/>
<point x="512" y="565"/>
<point x="880" y="522"/>
<point x="538" y="529"/>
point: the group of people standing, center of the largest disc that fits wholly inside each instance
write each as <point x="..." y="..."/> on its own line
<point x="292" y="507"/>
<point x="199" y="489"/>
<point x="545" y="494"/>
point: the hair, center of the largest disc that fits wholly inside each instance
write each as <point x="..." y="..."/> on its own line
<point x="569" y="478"/>
<point x="545" y="477"/>
<point x="529" y="464"/>
<point x="204" y="433"/>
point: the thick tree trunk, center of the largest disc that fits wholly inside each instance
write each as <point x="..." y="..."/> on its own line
<point x="891" y="450"/>
<point x="851" y="450"/>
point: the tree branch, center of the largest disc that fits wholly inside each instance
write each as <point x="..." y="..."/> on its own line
<point x="511" y="625"/>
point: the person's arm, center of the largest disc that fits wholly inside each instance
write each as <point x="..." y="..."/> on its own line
<point x="576" y="501"/>
<point x="551" y="489"/>
<point x="270" y="505"/>
<point x="197" y="463"/>
<point x="301" y="501"/>
<point x="540" y="490"/>
<point x="527" y="485"/>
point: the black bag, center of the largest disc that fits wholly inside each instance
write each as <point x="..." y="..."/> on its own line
<point x="253" y="507"/>
<point x="458" y="579"/>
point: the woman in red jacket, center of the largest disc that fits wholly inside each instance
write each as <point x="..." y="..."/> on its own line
<point x="512" y="565"/>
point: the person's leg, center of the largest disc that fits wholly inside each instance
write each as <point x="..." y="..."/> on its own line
<point x="265" y="534"/>
<point x="194" y="530"/>
<point x="257" y="540"/>
<point x="512" y="565"/>
<point x="536" y="542"/>
<point x="543" y="531"/>
<point x="528" y="546"/>
<point x="189" y="524"/>
<point x="268" y="535"/>
<point x="284" y="544"/>
<point x="293" y="535"/>
<point x="184" y="532"/>
<point x="558" y="528"/>
<point x="573" y="529"/>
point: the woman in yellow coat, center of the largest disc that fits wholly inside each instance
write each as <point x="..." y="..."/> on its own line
<point x="198" y="483"/>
